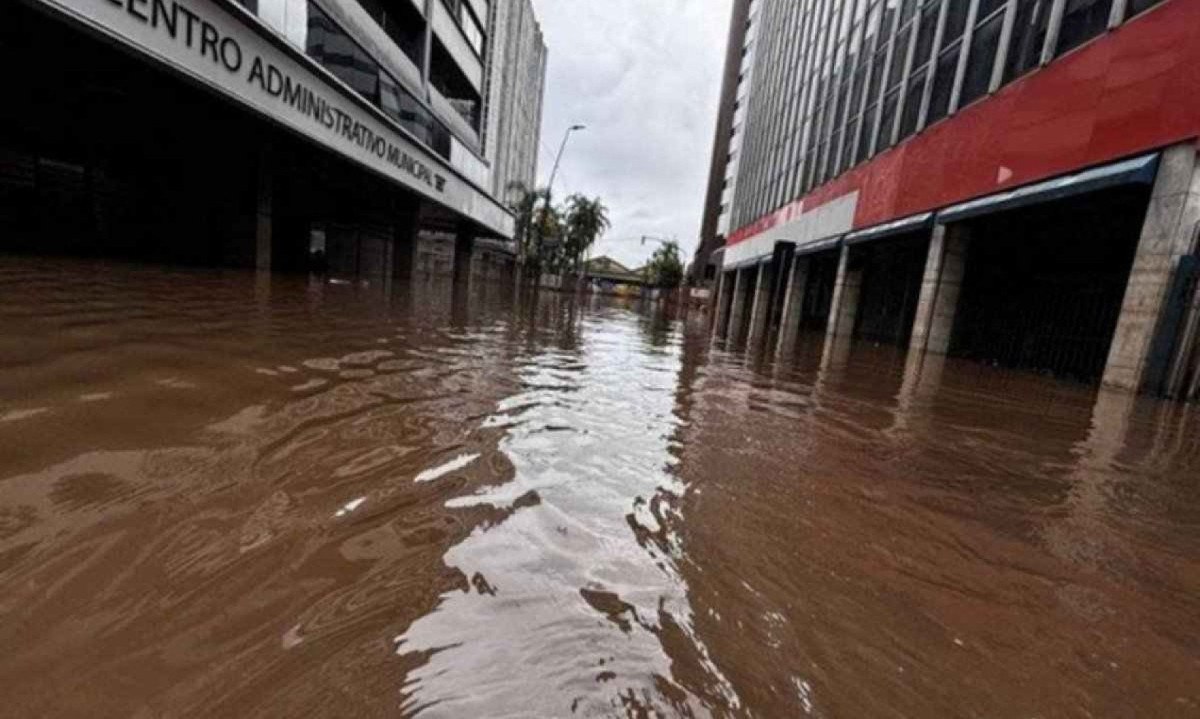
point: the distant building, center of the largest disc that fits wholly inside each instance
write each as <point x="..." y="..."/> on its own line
<point x="260" y="133"/>
<point x="987" y="178"/>
<point x="608" y="274"/>
<point x="516" y="89"/>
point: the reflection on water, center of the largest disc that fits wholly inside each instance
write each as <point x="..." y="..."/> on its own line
<point x="228" y="495"/>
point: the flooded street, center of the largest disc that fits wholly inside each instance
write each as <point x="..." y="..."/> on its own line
<point x="223" y="495"/>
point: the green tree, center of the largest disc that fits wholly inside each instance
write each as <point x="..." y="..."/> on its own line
<point x="525" y="203"/>
<point x="585" y="221"/>
<point x="665" y="269"/>
<point x="549" y="232"/>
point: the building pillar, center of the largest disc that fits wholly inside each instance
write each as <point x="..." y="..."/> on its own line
<point x="264" y="213"/>
<point x="761" y="309"/>
<point x="738" y="309"/>
<point x="941" y="286"/>
<point x="464" y="244"/>
<point x="793" y="304"/>
<point x="719" y="315"/>
<point x="846" y="290"/>
<point x="405" y="229"/>
<point x="1168" y="234"/>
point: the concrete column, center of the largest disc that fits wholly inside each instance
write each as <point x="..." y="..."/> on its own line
<point x="406" y="225"/>
<point x="793" y="304"/>
<point x="719" y="313"/>
<point x="738" y="310"/>
<point x="761" y="308"/>
<point x="464" y="243"/>
<point x="1168" y="234"/>
<point x="263" y="224"/>
<point x="844" y="308"/>
<point x="941" y="286"/>
<point x="1184" y="357"/>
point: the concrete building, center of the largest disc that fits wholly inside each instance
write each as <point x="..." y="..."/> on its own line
<point x="1014" y="181"/>
<point x="516" y="88"/>
<point x="731" y="117"/>
<point x="347" y="135"/>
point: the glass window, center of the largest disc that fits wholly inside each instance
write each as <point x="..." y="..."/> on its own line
<point x="877" y="84"/>
<point x="398" y="104"/>
<point x="337" y="52"/>
<point x="1082" y="21"/>
<point x="1137" y="6"/>
<point x="912" y="105"/>
<point x="929" y="18"/>
<point x="1029" y="34"/>
<point x="956" y="20"/>
<point x="848" y="148"/>
<point x="987" y="7"/>
<point x="864" y="143"/>
<point x="887" y="121"/>
<point x="901" y="43"/>
<point x="402" y="23"/>
<point x="471" y="28"/>
<point x="982" y="59"/>
<point x="943" y="84"/>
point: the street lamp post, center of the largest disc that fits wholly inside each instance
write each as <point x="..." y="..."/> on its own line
<point x="558" y="157"/>
<point x="550" y="185"/>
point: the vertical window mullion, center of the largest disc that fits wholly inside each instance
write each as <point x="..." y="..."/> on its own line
<point x="892" y="32"/>
<point x="964" y="54"/>
<point x="1117" y="16"/>
<point x="1052" y="30"/>
<point x="938" y="34"/>
<point x="868" y="76"/>
<point x="904" y="75"/>
<point x="1006" y="31"/>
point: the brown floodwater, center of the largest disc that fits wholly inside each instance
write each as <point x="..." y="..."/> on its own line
<point x="223" y="495"/>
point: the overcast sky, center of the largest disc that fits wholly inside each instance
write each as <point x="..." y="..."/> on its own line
<point x="644" y="76"/>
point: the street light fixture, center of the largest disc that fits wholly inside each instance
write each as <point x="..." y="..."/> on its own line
<point x="558" y="158"/>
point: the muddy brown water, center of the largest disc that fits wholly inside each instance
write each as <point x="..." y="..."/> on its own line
<point x="223" y="495"/>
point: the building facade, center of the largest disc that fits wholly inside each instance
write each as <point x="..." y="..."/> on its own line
<point x="731" y="117"/>
<point x="515" y="96"/>
<point x="1007" y="180"/>
<point x="275" y="134"/>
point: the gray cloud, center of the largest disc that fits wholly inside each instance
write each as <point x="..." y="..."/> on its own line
<point x="644" y="76"/>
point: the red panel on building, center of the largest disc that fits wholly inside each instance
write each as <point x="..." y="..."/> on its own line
<point x="1134" y="89"/>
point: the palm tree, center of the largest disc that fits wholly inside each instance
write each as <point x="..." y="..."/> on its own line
<point x="524" y="203"/>
<point x="586" y="220"/>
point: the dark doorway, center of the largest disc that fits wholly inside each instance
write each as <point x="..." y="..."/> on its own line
<point x="891" y="286"/>
<point x="1043" y="285"/>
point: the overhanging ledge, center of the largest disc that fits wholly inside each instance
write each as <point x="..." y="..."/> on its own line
<point x="1137" y="170"/>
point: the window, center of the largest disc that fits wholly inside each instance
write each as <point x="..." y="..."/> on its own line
<point x="1082" y="21"/>
<point x="337" y="52"/>
<point x="943" y="84"/>
<point x="402" y="23"/>
<point x="956" y="20"/>
<point x="1029" y="34"/>
<point x="897" y="69"/>
<point x="402" y="107"/>
<point x="912" y="105"/>
<point x="887" y="121"/>
<point x="929" y="18"/>
<point x="864" y="143"/>
<point x="984" y="44"/>
<point x="334" y="50"/>
<point x="1137" y="6"/>
<point x="848" y="148"/>
<point x="471" y="28"/>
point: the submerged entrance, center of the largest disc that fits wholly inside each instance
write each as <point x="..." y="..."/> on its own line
<point x="1043" y="285"/>
<point x="108" y="156"/>
<point x="891" y="285"/>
